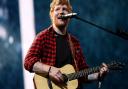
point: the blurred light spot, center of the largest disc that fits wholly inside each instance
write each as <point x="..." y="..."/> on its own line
<point x="1" y="65"/>
<point x="3" y="32"/>
<point x="1" y="12"/>
<point x="4" y="1"/>
<point x="5" y="13"/>
<point x="11" y="40"/>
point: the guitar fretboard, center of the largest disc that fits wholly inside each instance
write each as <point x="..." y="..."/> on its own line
<point x="82" y="73"/>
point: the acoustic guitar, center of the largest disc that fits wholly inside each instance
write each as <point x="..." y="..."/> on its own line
<point x="70" y="76"/>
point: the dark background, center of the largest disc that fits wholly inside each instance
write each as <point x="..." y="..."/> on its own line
<point x="11" y="76"/>
<point x="98" y="46"/>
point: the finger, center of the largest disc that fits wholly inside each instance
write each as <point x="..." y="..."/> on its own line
<point x="60" y="76"/>
<point x="104" y="65"/>
<point x="103" y="69"/>
<point x="57" y="78"/>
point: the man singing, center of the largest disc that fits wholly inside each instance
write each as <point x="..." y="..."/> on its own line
<point x="54" y="47"/>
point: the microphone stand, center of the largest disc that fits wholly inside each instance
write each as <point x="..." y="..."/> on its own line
<point x="119" y="33"/>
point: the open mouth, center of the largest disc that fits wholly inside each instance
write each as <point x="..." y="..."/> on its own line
<point x="59" y="17"/>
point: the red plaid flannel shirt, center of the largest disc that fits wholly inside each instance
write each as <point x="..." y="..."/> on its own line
<point x="43" y="49"/>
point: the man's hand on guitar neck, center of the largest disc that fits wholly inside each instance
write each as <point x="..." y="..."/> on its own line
<point x="103" y="70"/>
<point x="99" y="75"/>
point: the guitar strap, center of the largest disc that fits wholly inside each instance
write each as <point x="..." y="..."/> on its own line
<point x="49" y="83"/>
<point x="73" y="51"/>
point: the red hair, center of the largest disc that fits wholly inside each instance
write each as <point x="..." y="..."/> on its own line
<point x="60" y="2"/>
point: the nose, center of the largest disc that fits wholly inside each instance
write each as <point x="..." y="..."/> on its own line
<point x="62" y="11"/>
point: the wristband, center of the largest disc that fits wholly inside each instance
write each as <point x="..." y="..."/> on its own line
<point x="49" y="71"/>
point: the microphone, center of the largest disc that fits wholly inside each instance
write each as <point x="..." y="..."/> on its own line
<point x="70" y="15"/>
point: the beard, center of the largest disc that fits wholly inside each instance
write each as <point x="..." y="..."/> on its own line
<point x="61" y="23"/>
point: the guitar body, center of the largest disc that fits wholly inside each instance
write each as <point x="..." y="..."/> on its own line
<point x="41" y="82"/>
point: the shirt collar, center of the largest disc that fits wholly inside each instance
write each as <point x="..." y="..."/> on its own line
<point x="52" y="31"/>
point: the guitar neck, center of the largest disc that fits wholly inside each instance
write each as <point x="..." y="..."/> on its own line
<point x="82" y="73"/>
<point x="88" y="71"/>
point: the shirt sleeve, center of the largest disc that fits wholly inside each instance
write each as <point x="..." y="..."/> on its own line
<point x="82" y="60"/>
<point x="34" y="52"/>
<point x="79" y="56"/>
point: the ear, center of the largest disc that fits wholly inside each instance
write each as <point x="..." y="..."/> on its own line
<point x="51" y="15"/>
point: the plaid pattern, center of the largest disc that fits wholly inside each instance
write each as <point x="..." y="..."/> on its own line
<point x="43" y="49"/>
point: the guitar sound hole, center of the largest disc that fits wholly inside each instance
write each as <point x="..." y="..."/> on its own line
<point x="65" y="78"/>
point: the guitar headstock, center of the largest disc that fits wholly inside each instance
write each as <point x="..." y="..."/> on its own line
<point x="114" y="65"/>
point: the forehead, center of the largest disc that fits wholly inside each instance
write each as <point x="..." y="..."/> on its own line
<point x="61" y="6"/>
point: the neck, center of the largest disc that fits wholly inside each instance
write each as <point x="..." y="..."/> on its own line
<point x="59" y="30"/>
